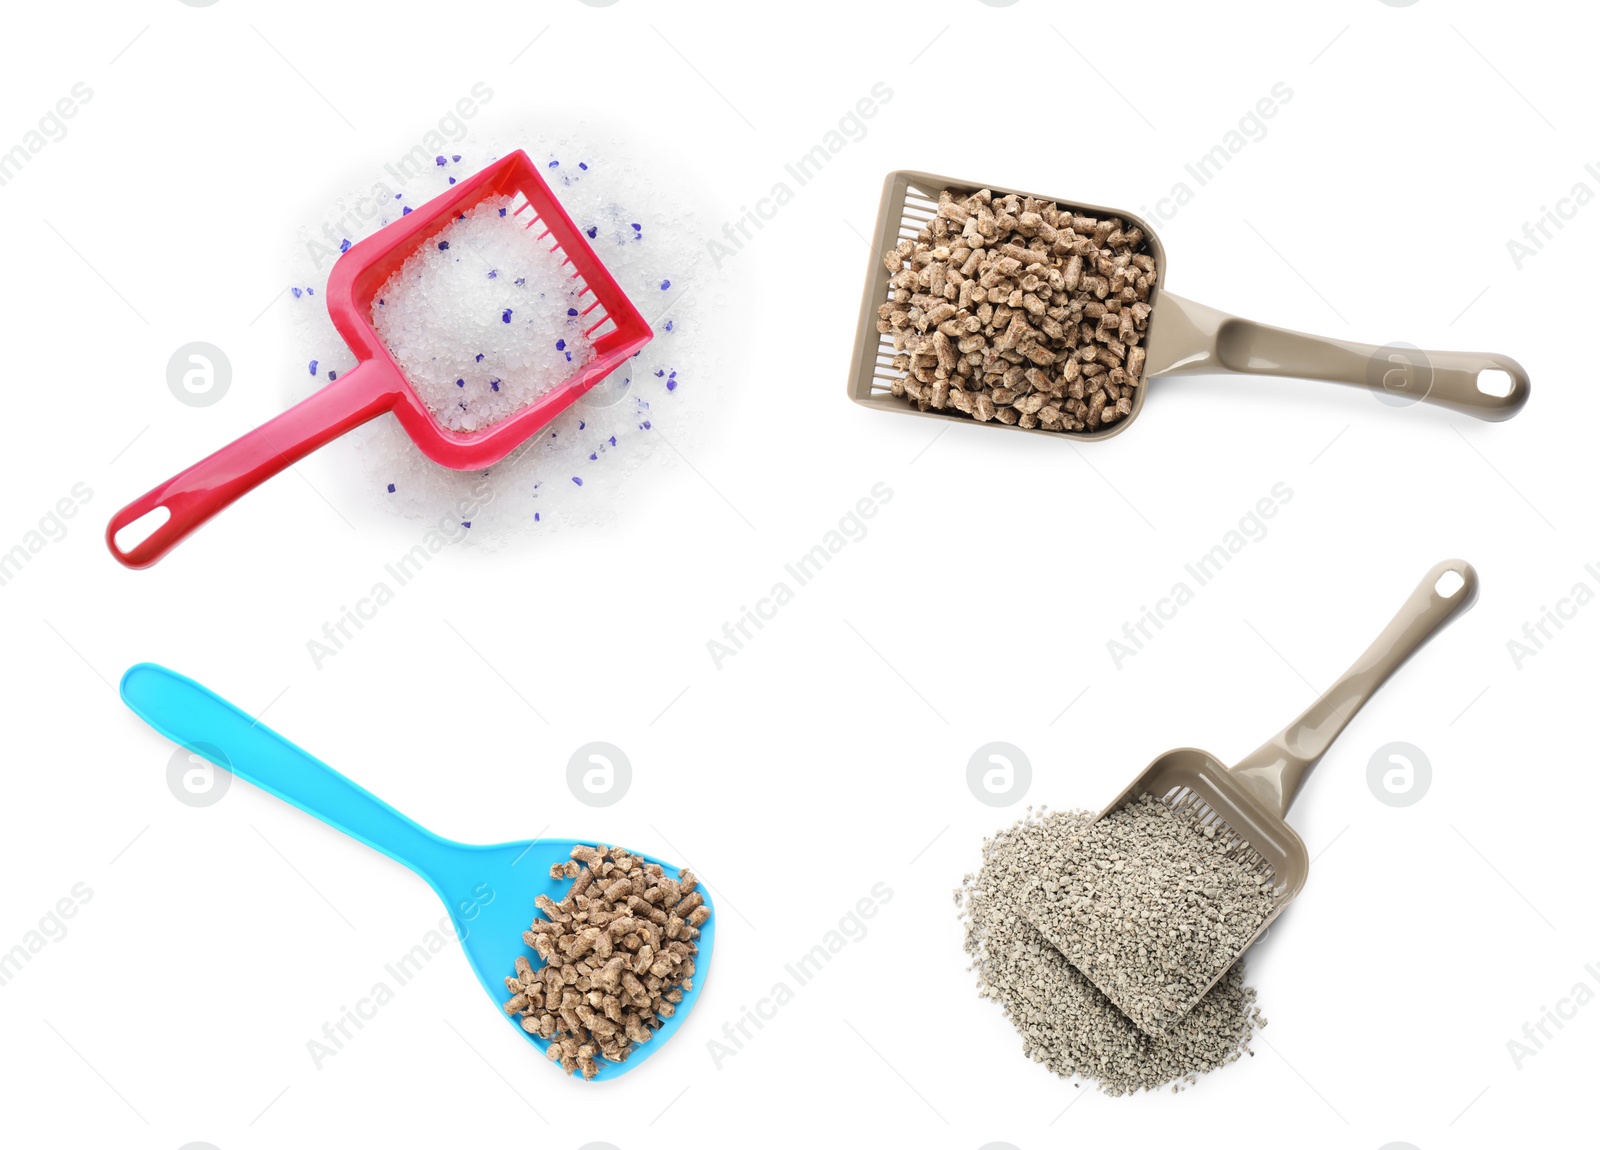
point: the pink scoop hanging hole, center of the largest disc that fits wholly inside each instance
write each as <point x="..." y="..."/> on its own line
<point x="607" y="326"/>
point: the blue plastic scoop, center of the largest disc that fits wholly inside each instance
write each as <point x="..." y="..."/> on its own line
<point x="488" y="890"/>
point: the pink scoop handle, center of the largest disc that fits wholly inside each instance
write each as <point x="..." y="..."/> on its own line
<point x="197" y="494"/>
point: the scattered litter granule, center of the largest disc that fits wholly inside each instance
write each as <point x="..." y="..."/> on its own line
<point x="618" y="956"/>
<point x="473" y="318"/>
<point x="1151" y="905"/>
<point x="1065" y="1023"/>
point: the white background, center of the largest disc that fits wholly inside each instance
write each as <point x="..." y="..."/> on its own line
<point x="830" y="755"/>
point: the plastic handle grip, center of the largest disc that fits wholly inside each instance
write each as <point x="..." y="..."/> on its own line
<point x="197" y="494"/>
<point x="1192" y="337"/>
<point x="210" y="726"/>
<point x="1277" y="769"/>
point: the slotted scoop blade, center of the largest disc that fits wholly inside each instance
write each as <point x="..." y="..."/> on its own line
<point x="1251" y="800"/>
<point x="1183" y="338"/>
<point x="488" y="890"/>
<point x="612" y="324"/>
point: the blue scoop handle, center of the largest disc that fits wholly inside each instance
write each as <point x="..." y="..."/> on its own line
<point x="216" y="730"/>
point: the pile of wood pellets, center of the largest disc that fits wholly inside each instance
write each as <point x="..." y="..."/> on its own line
<point x="1013" y="309"/>
<point x="618" y="955"/>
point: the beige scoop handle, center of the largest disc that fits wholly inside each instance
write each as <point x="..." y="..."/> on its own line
<point x="1275" y="771"/>
<point x="1194" y="338"/>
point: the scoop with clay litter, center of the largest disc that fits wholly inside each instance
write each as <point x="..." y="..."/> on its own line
<point x="1188" y="866"/>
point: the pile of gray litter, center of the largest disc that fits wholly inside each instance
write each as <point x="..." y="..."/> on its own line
<point x="1064" y="1021"/>
<point x="1153" y="906"/>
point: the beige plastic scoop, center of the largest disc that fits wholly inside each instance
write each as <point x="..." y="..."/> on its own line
<point x="1251" y="800"/>
<point x="1184" y="338"/>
